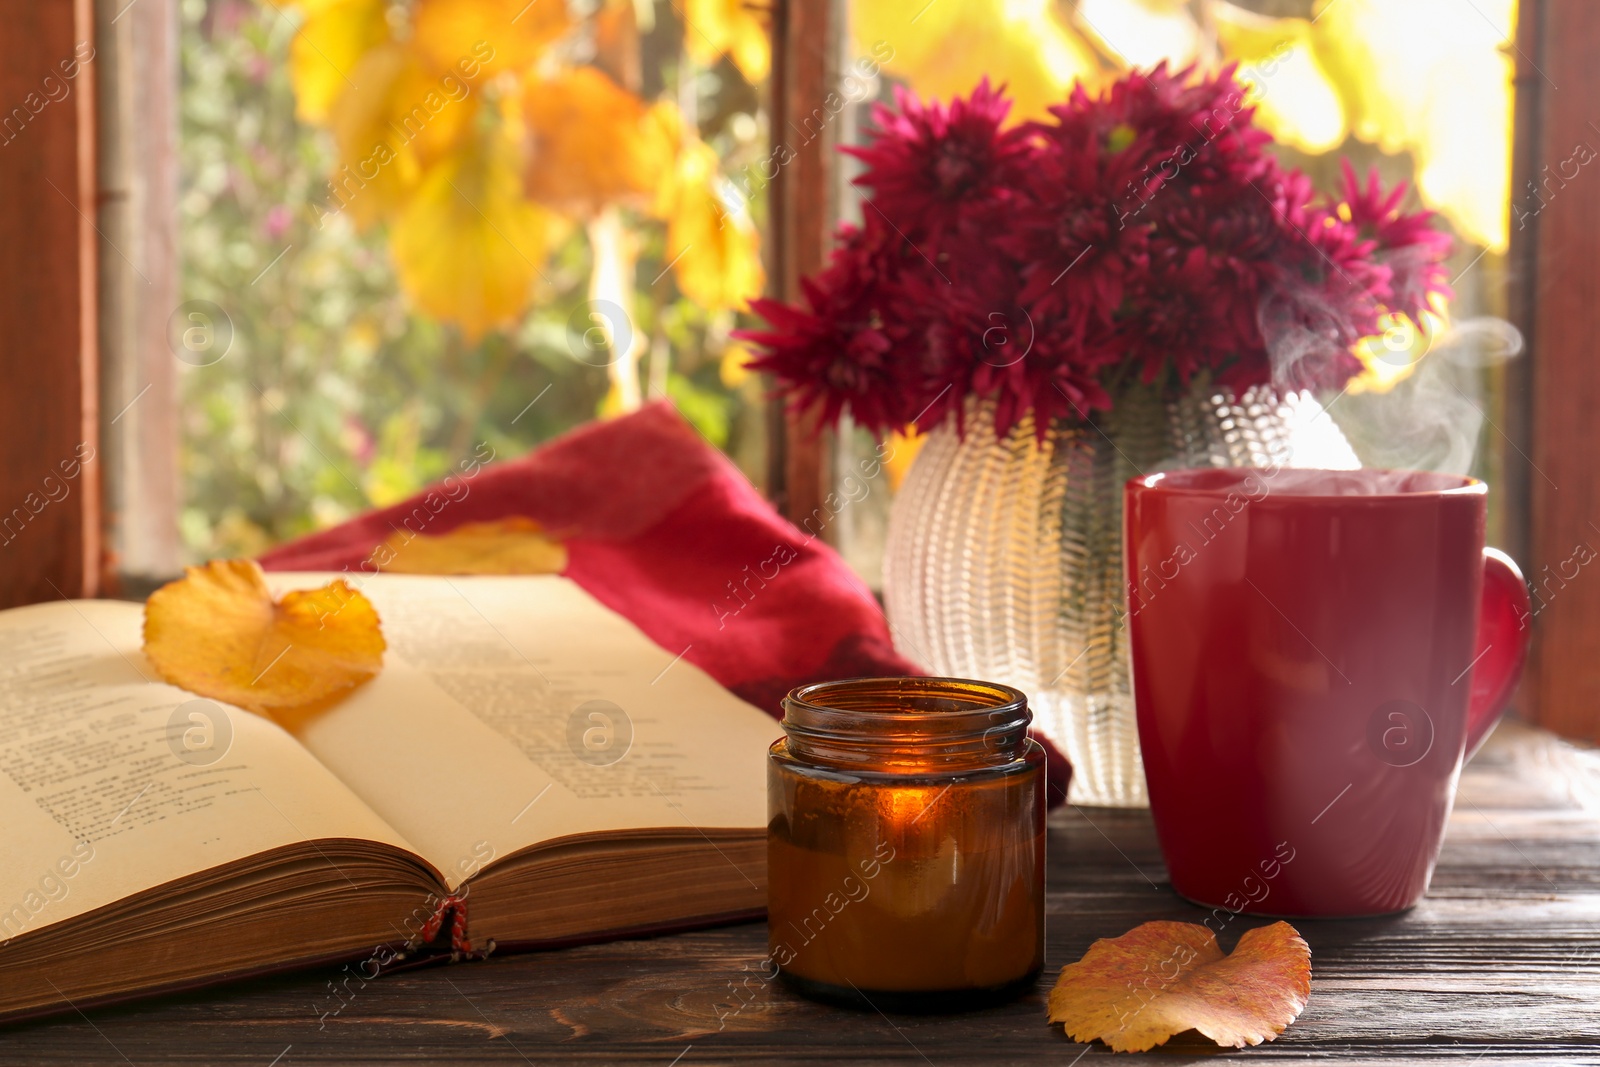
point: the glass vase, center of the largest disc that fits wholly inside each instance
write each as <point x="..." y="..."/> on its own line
<point x="1004" y="555"/>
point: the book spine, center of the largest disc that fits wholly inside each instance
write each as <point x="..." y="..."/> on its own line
<point x="452" y="909"/>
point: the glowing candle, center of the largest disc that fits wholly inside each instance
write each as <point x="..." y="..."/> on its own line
<point x="905" y="843"/>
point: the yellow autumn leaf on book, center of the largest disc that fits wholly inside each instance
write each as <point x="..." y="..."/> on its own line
<point x="467" y="246"/>
<point x="711" y="243"/>
<point x="515" y="545"/>
<point x="327" y="46"/>
<point x="594" y="143"/>
<point x="218" y="632"/>
<point x="499" y="34"/>
<point x="732" y="28"/>
<point x="1161" y="978"/>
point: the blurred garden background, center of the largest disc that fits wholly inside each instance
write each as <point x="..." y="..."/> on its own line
<point x="437" y="225"/>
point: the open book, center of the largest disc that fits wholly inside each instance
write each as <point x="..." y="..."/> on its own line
<point x="528" y="769"/>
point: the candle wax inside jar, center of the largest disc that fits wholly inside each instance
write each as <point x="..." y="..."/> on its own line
<point x="908" y="889"/>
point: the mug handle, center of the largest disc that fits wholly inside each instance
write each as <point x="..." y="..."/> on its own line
<point x="1501" y="647"/>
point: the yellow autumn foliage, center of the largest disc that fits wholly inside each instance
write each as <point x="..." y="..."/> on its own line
<point x="404" y="101"/>
<point x="732" y="28"/>
<point x="1141" y="33"/>
<point x="398" y="120"/>
<point x="711" y="242"/>
<point x="1427" y="78"/>
<point x="731" y="365"/>
<point x="464" y="126"/>
<point x="594" y="143"/>
<point x="500" y="34"/>
<point x="1293" y="98"/>
<point x="903" y="448"/>
<point x="948" y="46"/>
<point x="326" y="48"/>
<point x="468" y="244"/>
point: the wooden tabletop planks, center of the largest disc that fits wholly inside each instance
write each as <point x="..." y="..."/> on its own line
<point x="1501" y="962"/>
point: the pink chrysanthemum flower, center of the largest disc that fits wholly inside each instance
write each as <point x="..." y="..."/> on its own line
<point x="1143" y="234"/>
<point x="1080" y="230"/>
<point x="1408" y="245"/>
<point x="837" y="354"/>
<point x="933" y="168"/>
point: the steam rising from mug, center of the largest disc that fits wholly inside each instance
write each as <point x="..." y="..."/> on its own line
<point x="1430" y="421"/>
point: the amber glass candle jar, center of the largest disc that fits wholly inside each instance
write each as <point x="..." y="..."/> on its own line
<point x="905" y="843"/>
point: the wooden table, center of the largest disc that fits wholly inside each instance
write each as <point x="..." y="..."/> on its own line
<point x="1501" y="962"/>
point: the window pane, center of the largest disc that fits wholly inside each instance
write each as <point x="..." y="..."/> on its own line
<point x="1421" y="90"/>
<point x="412" y="233"/>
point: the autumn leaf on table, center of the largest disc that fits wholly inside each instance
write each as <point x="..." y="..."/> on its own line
<point x="1135" y="991"/>
<point x="516" y="545"/>
<point x="218" y="632"/>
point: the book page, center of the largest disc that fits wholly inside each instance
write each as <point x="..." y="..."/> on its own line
<point x="112" y="783"/>
<point x="512" y="711"/>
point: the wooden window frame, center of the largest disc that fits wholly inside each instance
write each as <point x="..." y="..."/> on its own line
<point x="50" y="482"/>
<point x="54" y="212"/>
<point x="138" y="63"/>
<point x="807" y="43"/>
<point x="1553" y="393"/>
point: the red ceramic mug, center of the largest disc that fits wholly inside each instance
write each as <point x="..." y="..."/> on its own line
<point x="1314" y="653"/>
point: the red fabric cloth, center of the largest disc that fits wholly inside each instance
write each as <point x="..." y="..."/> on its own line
<point x="663" y="529"/>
